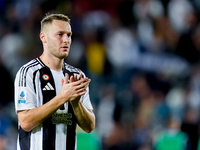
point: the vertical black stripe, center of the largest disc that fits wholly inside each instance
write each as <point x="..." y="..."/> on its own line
<point x="34" y="75"/>
<point x="49" y="129"/>
<point x="71" y="129"/>
<point x="23" y="74"/>
<point x="24" y="139"/>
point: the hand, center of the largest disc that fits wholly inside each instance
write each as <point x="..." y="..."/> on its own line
<point x="74" y="88"/>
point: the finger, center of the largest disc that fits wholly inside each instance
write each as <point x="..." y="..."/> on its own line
<point x="62" y="81"/>
<point x="80" y="76"/>
<point x="66" y="79"/>
<point x="71" y="79"/>
<point x="83" y="85"/>
<point x="87" y="84"/>
<point x="80" y="81"/>
<point x="75" y="77"/>
<point x="81" y="92"/>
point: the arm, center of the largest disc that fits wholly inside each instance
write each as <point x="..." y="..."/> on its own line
<point x="29" y="119"/>
<point x="85" y="117"/>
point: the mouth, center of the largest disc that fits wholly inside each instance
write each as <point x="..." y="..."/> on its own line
<point x="65" y="47"/>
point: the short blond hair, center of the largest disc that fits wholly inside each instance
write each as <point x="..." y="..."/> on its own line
<point x="48" y="19"/>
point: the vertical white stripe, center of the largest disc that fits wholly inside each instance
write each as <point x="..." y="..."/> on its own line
<point x="61" y="136"/>
<point x="18" y="147"/>
<point x="76" y="143"/>
<point x="37" y="138"/>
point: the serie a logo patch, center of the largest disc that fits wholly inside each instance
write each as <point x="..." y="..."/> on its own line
<point x="22" y="98"/>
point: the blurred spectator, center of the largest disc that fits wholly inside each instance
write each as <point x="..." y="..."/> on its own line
<point x="6" y="90"/>
<point x="190" y="126"/>
<point x="8" y="125"/>
<point x="94" y="25"/>
<point x="141" y="86"/>
<point x="93" y="141"/>
<point x="145" y="11"/>
<point x="173" y="138"/>
<point x="96" y="54"/>
<point x="11" y="44"/>
<point x="22" y="9"/>
<point x="3" y="132"/>
<point x="122" y="50"/>
<point x="161" y="112"/>
<point x="95" y="20"/>
<point x="197" y="5"/>
<point x="164" y="38"/>
<point x="177" y="12"/>
<point x="193" y="84"/>
<point x="105" y="111"/>
<point x="188" y="43"/>
<point x="176" y="101"/>
<point x="77" y="54"/>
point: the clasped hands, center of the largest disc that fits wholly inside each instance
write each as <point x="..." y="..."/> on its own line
<point x="74" y="87"/>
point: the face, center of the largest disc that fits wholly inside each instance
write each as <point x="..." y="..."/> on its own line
<point x="56" y="38"/>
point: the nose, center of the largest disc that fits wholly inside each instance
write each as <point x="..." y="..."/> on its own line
<point x="66" y="38"/>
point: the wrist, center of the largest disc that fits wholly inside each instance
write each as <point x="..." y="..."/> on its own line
<point x="62" y="99"/>
<point x="76" y="102"/>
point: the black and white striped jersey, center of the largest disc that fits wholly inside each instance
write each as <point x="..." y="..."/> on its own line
<point x="36" y="84"/>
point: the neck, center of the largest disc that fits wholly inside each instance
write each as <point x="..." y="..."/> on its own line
<point x="52" y="62"/>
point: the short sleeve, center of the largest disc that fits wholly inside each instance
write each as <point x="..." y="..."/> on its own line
<point x="85" y="99"/>
<point x="25" y="97"/>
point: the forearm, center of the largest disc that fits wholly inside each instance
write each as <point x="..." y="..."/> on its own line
<point x="86" y="118"/>
<point x="29" y="119"/>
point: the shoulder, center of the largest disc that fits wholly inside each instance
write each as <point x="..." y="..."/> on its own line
<point x="27" y="72"/>
<point x="72" y="69"/>
<point x="30" y="67"/>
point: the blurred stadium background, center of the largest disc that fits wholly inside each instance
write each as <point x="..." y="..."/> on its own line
<point x="143" y="57"/>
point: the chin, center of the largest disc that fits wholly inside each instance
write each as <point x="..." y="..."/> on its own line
<point x="64" y="56"/>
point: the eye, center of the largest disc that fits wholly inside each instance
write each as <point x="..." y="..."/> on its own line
<point x="59" y="34"/>
<point x="69" y="35"/>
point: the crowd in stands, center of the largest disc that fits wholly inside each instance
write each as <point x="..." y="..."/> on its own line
<point x="143" y="57"/>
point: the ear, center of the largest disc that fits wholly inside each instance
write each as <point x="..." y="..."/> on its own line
<point x="43" y="37"/>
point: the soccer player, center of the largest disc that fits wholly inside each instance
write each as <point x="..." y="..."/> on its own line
<point x="52" y="97"/>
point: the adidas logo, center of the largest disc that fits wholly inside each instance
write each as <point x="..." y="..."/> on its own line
<point x="48" y="87"/>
